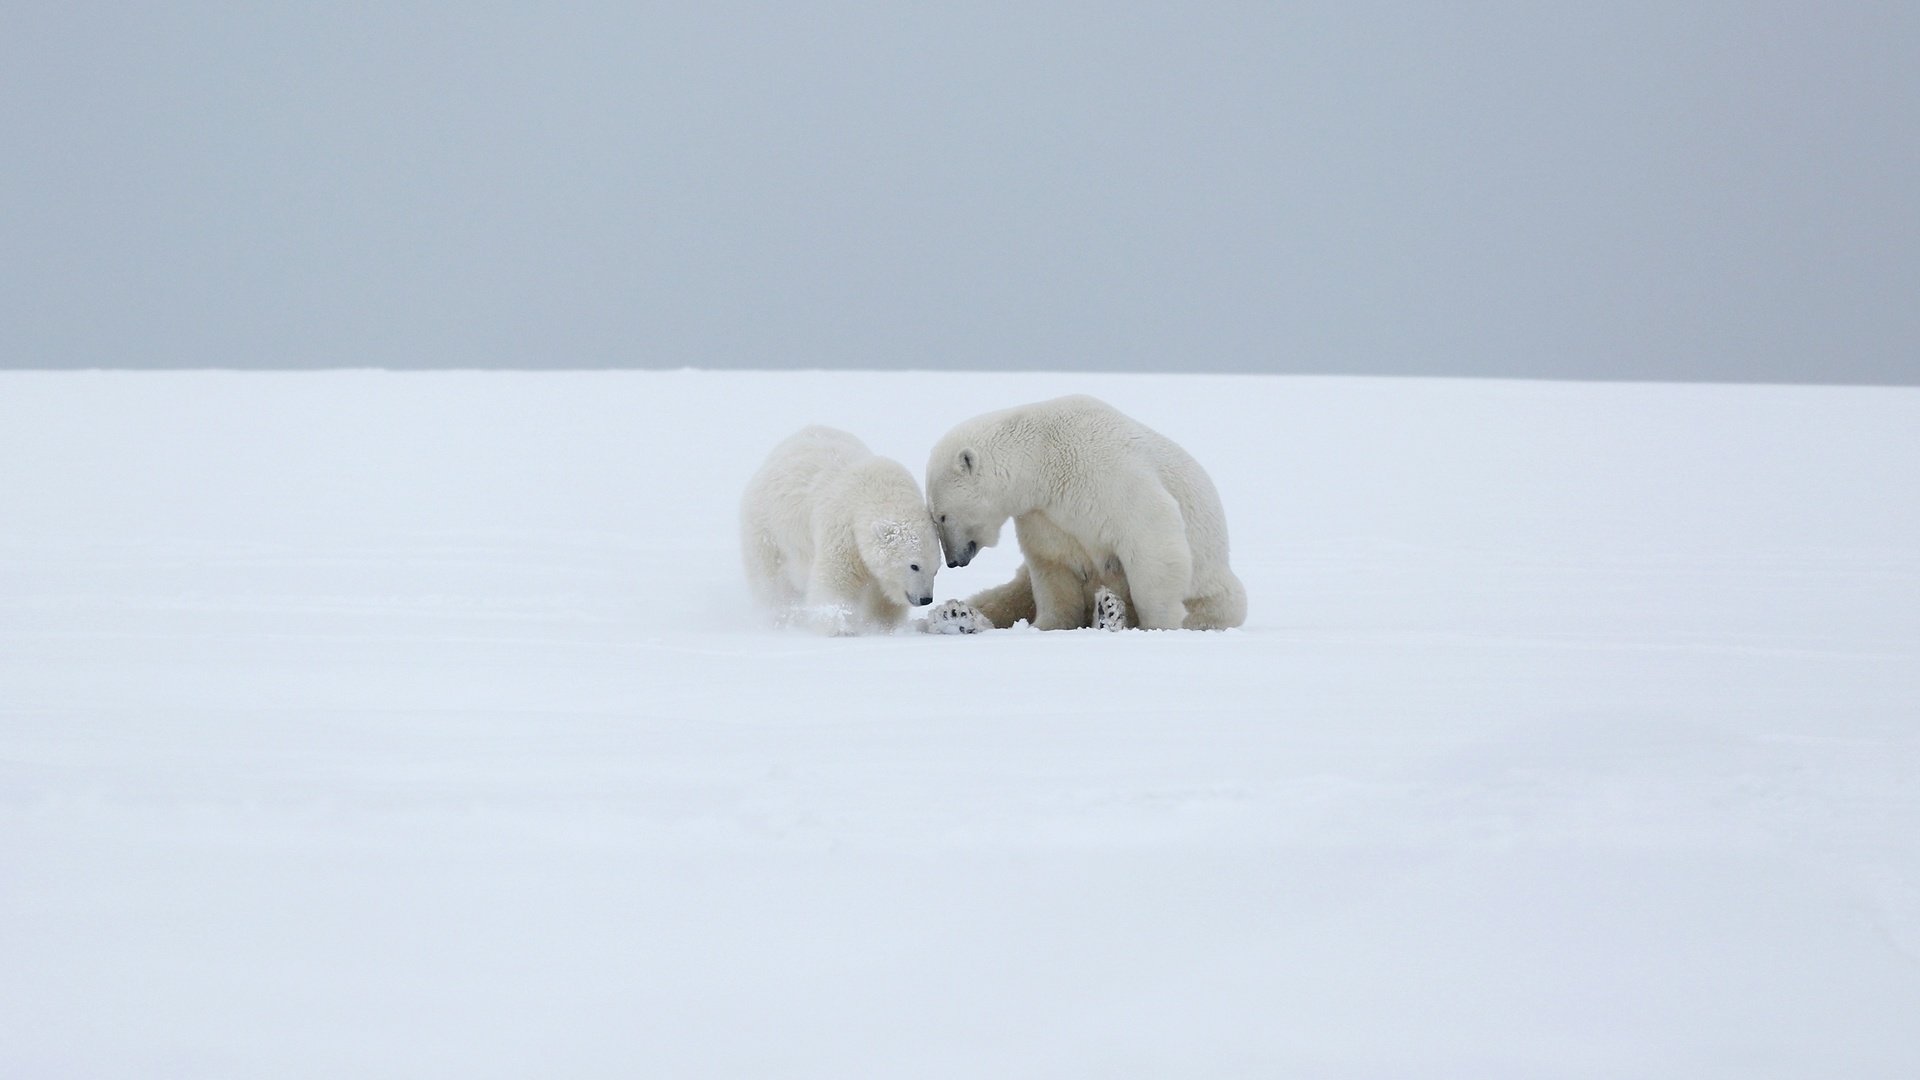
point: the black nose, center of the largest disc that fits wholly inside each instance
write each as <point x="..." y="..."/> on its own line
<point x="925" y="600"/>
<point x="951" y="564"/>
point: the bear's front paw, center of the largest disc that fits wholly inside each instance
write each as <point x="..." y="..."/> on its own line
<point x="955" y="617"/>
<point x="832" y="620"/>
<point x="1109" y="612"/>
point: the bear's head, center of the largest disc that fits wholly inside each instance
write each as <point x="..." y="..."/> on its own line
<point x="967" y="519"/>
<point x="902" y="556"/>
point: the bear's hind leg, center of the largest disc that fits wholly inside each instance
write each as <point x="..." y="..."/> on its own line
<point x="1222" y="610"/>
<point x="1158" y="564"/>
<point x="767" y="574"/>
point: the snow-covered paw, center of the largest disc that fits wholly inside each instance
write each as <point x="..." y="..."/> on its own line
<point x="955" y="617"/>
<point x="1109" y="612"/>
<point x="832" y="620"/>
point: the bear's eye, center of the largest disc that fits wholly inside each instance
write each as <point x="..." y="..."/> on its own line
<point x="915" y="567"/>
<point x="943" y="519"/>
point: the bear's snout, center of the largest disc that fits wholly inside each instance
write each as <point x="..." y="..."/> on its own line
<point x="924" y="601"/>
<point x="962" y="557"/>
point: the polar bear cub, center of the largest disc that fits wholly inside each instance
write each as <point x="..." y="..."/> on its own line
<point x="1115" y="521"/>
<point x="839" y="539"/>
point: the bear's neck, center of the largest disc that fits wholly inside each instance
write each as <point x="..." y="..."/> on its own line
<point x="1023" y="464"/>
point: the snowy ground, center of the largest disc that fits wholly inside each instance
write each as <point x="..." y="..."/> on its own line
<point x="370" y="724"/>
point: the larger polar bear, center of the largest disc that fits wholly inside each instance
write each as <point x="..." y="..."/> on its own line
<point x="840" y="539"/>
<point x="1100" y="503"/>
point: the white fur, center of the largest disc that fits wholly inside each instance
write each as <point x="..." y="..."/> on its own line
<point x="1097" y="500"/>
<point x="836" y="537"/>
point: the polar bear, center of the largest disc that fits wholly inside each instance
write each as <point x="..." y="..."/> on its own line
<point x="1115" y="521"/>
<point x="840" y="539"/>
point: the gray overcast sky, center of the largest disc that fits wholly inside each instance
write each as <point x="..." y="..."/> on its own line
<point x="1610" y="190"/>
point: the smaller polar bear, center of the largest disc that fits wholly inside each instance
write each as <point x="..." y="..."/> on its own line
<point x="1116" y="523"/>
<point x="839" y="539"/>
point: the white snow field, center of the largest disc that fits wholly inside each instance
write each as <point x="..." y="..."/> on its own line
<point x="403" y="725"/>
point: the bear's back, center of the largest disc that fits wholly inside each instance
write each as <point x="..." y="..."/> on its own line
<point x="797" y="476"/>
<point x="812" y="457"/>
<point x="1111" y="433"/>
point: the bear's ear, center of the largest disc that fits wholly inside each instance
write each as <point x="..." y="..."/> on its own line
<point x="966" y="461"/>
